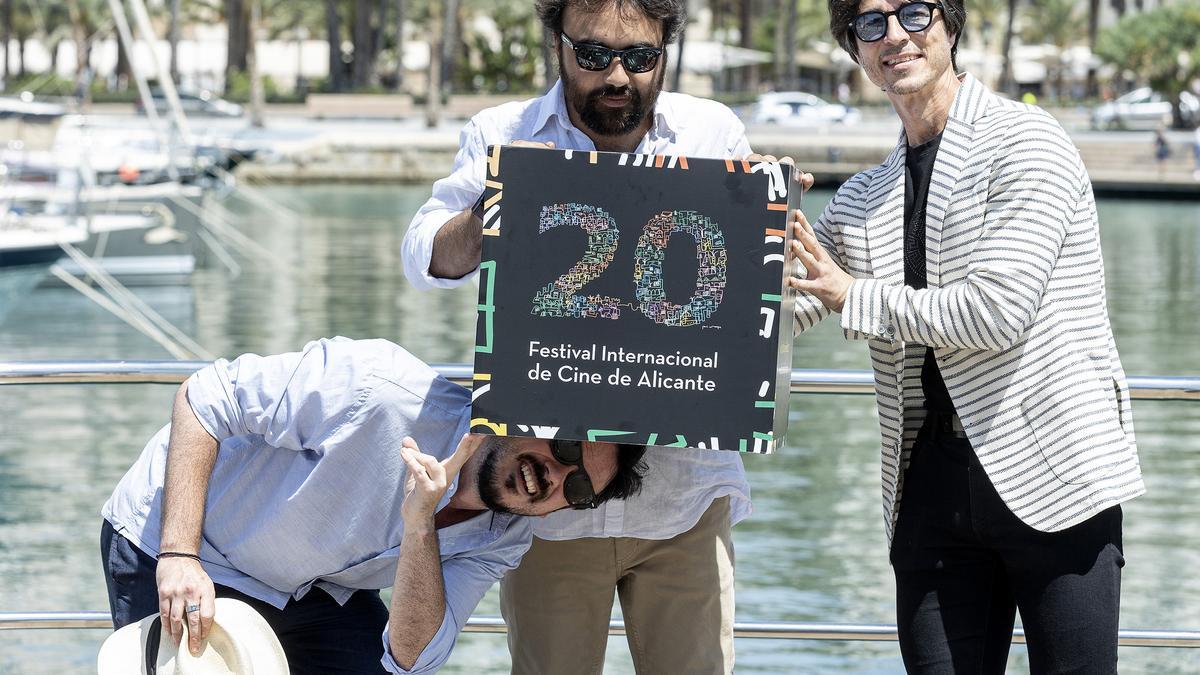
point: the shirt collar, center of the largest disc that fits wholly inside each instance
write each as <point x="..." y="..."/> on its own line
<point x="553" y="107"/>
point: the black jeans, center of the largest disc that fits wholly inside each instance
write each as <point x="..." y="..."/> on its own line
<point x="965" y="564"/>
<point x="317" y="634"/>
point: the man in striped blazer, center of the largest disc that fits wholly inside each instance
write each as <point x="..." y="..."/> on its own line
<point x="970" y="262"/>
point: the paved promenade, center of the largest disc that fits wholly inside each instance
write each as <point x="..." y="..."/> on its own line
<point x="346" y="149"/>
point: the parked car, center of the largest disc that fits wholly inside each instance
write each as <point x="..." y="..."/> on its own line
<point x="1144" y="108"/>
<point x="800" y="109"/>
<point x="200" y="103"/>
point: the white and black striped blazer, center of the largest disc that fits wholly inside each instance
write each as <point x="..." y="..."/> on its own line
<point x="1014" y="309"/>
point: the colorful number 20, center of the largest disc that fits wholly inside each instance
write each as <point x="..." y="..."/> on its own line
<point x="561" y="297"/>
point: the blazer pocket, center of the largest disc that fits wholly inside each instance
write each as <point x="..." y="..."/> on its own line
<point x="1075" y="427"/>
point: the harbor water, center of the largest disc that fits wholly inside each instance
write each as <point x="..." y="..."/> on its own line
<point x="814" y="549"/>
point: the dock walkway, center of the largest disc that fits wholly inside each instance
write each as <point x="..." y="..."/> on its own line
<point x="1121" y="163"/>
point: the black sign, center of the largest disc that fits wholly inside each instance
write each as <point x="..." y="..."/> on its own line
<point x="634" y="299"/>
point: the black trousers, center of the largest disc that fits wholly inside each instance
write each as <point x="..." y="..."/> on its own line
<point x="317" y="634"/>
<point x="965" y="564"/>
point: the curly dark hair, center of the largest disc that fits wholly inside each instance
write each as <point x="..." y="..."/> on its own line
<point x="672" y="13"/>
<point x="628" y="480"/>
<point x="842" y="12"/>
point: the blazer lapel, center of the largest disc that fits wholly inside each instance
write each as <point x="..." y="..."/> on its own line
<point x="885" y="215"/>
<point x="952" y="156"/>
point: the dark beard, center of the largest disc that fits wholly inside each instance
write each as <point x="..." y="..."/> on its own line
<point x="489" y="485"/>
<point x="608" y="121"/>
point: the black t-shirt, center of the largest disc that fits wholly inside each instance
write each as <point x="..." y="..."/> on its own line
<point x="918" y="170"/>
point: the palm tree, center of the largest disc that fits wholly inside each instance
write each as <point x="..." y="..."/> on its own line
<point x="399" y="86"/>
<point x="433" y="94"/>
<point x="782" y="55"/>
<point x="333" y="33"/>
<point x="678" y="65"/>
<point x="256" y="84"/>
<point x="237" y="20"/>
<point x="1052" y="22"/>
<point x="1093" y="30"/>
<point x="985" y="19"/>
<point x="1006" y="75"/>
<point x="450" y="39"/>
<point x="363" y="67"/>
<point x="24" y="27"/>
<point x="81" y="31"/>
<point x="6" y="17"/>
<point x="746" y="40"/>
<point x="58" y="26"/>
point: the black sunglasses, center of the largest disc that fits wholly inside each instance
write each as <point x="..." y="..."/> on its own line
<point x="913" y="17"/>
<point x="577" y="486"/>
<point x="598" y="57"/>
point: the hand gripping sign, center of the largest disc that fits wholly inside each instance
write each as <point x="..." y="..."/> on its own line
<point x="634" y="299"/>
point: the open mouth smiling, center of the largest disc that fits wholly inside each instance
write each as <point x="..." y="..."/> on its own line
<point x="529" y="480"/>
<point x="892" y="61"/>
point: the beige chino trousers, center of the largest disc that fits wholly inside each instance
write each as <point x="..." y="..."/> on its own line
<point x="676" y="596"/>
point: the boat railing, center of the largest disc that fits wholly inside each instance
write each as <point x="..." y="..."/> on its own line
<point x="803" y="381"/>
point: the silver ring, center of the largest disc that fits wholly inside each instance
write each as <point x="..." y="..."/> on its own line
<point x="193" y="608"/>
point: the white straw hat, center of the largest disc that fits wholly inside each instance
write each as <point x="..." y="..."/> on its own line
<point x="240" y="642"/>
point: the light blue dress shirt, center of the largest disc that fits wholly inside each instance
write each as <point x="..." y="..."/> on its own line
<point x="679" y="484"/>
<point x="308" y="481"/>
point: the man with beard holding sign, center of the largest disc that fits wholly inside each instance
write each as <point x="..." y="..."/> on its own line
<point x="667" y="552"/>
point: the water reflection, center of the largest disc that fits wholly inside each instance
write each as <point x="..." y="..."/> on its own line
<point x="813" y="551"/>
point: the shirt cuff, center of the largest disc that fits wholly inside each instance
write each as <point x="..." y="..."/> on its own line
<point x="420" y="253"/>
<point x="434" y="654"/>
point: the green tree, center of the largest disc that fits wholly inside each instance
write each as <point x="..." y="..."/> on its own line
<point x="507" y="61"/>
<point x="25" y="25"/>
<point x="6" y="19"/>
<point x="983" y="26"/>
<point x="237" y="22"/>
<point x="83" y="19"/>
<point x="791" y="23"/>
<point x="364" y="35"/>
<point x="1093" y="23"/>
<point x="1007" y="84"/>
<point x="1160" y="47"/>
<point x="1052" y="22"/>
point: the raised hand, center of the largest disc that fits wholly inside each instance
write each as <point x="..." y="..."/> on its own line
<point x="428" y="479"/>
<point x="804" y="179"/>
<point x="824" y="279"/>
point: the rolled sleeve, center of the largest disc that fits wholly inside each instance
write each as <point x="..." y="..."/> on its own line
<point x="435" y="654"/>
<point x="465" y="578"/>
<point x="210" y="394"/>
<point x="292" y="400"/>
<point x="451" y="196"/>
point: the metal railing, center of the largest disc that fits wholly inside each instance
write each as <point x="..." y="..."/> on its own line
<point x="802" y="381"/>
<point x="741" y="629"/>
